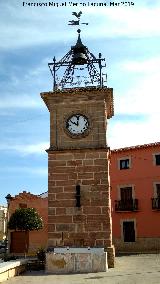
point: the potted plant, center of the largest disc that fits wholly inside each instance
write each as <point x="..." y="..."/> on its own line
<point x="41" y="254"/>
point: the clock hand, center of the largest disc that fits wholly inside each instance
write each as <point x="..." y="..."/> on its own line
<point x="73" y="122"/>
<point x="78" y="116"/>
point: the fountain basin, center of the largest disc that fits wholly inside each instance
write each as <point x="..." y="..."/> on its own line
<point x="76" y="260"/>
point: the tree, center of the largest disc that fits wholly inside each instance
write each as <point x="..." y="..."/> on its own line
<point x="25" y="219"/>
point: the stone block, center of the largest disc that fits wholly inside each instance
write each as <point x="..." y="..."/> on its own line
<point x="83" y="262"/>
<point x="76" y="260"/>
<point x="99" y="262"/>
<point x="59" y="263"/>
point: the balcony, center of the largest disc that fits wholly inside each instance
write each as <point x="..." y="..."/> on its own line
<point x="126" y="205"/>
<point x="155" y="203"/>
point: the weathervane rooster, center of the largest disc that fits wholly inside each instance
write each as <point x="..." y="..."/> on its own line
<point x="76" y="22"/>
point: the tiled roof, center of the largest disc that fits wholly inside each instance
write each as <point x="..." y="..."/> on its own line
<point x="136" y="147"/>
<point x="43" y="195"/>
<point x="26" y="195"/>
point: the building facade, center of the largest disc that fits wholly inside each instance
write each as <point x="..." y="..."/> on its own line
<point x="135" y="195"/>
<point x="36" y="239"/>
<point x="3" y="221"/>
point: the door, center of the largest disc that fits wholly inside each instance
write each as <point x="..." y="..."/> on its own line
<point x="158" y="196"/>
<point x="126" y="198"/>
<point x="18" y="242"/>
<point x="128" y="231"/>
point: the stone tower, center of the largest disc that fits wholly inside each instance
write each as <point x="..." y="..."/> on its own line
<point x="79" y="208"/>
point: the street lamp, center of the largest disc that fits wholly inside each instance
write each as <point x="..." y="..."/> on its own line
<point x="8" y="198"/>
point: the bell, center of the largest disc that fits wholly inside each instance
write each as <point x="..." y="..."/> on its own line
<point x="79" y="58"/>
<point x="79" y="52"/>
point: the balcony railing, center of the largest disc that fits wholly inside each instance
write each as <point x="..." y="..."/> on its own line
<point x="126" y="205"/>
<point x="155" y="203"/>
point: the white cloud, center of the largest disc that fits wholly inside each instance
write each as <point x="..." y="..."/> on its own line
<point x="26" y="170"/>
<point x="25" y="26"/>
<point x="21" y="101"/>
<point x="146" y="66"/>
<point x="6" y="113"/>
<point x="38" y="70"/>
<point x="22" y="27"/>
<point x="21" y="90"/>
<point x="136" y="21"/>
<point x="123" y="134"/>
<point x="142" y="97"/>
<point x="26" y="149"/>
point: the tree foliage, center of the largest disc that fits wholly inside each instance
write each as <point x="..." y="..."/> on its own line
<point x="25" y="219"/>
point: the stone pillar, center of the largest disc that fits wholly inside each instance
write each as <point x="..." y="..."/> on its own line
<point x="79" y="161"/>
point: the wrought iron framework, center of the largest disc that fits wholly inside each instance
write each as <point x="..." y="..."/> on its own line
<point x="155" y="203"/>
<point x="80" y="68"/>
<point x="126" y="205"/>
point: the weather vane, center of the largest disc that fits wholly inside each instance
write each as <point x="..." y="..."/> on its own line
<point x="79" y="65"/>
<point x="77" y="22"/>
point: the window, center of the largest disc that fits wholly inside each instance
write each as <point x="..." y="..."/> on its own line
<point x="158" y="190"/>
<point x="126" y="193"/>
<point x="156" y="199"/>
<point x="22" y="205"/>
<point x="124" y="164"/>
<point x="128" y="231"/>
<point x="78" y="196"/>
<point x="126" y="200"/>
<point x="157" y="159"/>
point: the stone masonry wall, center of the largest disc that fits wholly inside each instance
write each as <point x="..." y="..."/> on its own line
<point x="96" y="137"/>
<point x="139" y="246"/>
<point x="89" y="225"/>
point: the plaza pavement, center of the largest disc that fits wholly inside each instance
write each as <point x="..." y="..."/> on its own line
<point x="131" y="269"/>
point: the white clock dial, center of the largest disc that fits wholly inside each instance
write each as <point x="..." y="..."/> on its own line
<point x="77" y="124"/>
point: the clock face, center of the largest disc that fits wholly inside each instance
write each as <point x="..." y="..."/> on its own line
<point x="77" y="124"/>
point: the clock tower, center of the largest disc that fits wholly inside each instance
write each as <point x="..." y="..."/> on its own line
<point x="79" y="207"/>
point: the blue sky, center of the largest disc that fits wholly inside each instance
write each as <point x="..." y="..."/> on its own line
<point x="129" y="39"/>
